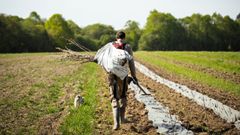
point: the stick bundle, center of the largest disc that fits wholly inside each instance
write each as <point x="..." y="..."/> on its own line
<point x="76" y="56"/>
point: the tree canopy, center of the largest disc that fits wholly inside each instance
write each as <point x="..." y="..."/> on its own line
<point x="58" y="30"/>
<point x="162" y="31"/>
<point x="133" y="33"/>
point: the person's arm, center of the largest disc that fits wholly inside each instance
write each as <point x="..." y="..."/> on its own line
<point x="131" y="63"/>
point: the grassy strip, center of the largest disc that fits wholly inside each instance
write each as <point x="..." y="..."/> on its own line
<point x="47" y="102"/>
<point x="191" y="74"/>
<point x="222" y="63"/>
<point x="226" y="62"/>
<point x="81" y="120"/>
<point x="14" y="55"/>
<point x="229" y="56"/>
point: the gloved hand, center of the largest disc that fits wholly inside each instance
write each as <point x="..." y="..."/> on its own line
<point x="135" y="80"/>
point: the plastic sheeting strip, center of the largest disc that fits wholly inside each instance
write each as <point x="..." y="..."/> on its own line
<point x="159" y="115"/>
<point x="225" y="112"/>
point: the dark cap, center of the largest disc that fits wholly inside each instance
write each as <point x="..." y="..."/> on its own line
<point x="120" y="35"/>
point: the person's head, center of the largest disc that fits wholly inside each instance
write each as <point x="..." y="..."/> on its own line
<point x="120" y="35"/>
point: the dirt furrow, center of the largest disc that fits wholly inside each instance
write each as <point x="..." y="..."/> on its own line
<point x="224" y="97"/>
<point x="136" y="114"/>
<point x="50" y="124"/>
<point x="194" y="117"/>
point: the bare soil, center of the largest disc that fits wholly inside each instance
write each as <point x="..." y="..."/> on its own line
<point x="20" y="100"/>
<point x="19" y="74"/>
<point x="136" y="114"/>
<point x="194" y="117"/>
<point x="24" y="82"/>
<point x="226" y="97"/>
<point x="49" y="124"/>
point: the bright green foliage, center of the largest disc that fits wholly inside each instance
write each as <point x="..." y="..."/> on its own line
<point x="79" y="38"/>
<point x="210" y="32"/>
<point x="87" y="42"/>
<point x="95" y="31"/>
<point x="74" y="27"/>
<point x="162" y="32"/>
<point x="133" y="33"/>
<point x="58" y="30"/>
<point x="101" y="33"/>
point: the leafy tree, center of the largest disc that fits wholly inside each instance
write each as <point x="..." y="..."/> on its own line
<point x="58" y="30"/>
<point x="162" y="32"/>
<point x="238" y="17"/>
<point x="74" y="27"/>
<point x="11" y="34"/>
<point x="100" y="33"/>
<point x="87" y="42"/>
<point x="35" y="17"/>
<point x="95" y="31"/>
<point x="36" y="36"/>
<point x="231" y="34"/>
<point x="133" y="33"/>
<point x="201" y="33"/>
<point x="104" y="39"/>
<point x="227" y="31"/>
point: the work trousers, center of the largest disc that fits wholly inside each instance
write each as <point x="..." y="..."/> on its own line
<point x="118" y="89"/>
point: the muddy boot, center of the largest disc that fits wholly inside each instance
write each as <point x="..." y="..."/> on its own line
<point x="122" y="115"/>
<point x="123" y="104"/>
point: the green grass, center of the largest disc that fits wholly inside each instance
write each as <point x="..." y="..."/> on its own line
<point x="81" y="120"/>
<point x="14" y="55"/>
<point x="189" y="73"/>
<point x="221" y="61"/>
<point x="228" y="56"/>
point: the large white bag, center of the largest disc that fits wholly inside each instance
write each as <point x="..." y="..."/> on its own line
<point x="111" y="59"/>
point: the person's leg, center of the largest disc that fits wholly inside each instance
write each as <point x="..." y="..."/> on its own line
<point x="122" y="110"/>
<point x="123" y="101"/>
<point x="115" y="109"/>
<point x="114" y="100"/>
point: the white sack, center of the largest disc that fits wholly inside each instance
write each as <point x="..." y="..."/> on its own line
<point x="111" y="58"/>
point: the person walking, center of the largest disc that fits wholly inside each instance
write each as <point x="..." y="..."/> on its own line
<point x="117" y="86"/>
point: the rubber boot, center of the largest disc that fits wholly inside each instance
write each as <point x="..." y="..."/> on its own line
<point x="123" y="104"/>
<point x="115" y="109"/>
<point x="116" y="118"/>
<point x="122" y="115"/>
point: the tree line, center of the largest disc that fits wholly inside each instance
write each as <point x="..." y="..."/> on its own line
<point x="162" y="31"/>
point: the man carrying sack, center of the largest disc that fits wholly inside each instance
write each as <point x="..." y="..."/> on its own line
<point x="115" y="58"/>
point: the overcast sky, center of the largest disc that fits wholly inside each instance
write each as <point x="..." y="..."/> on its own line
<point x="117" y="12"/>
